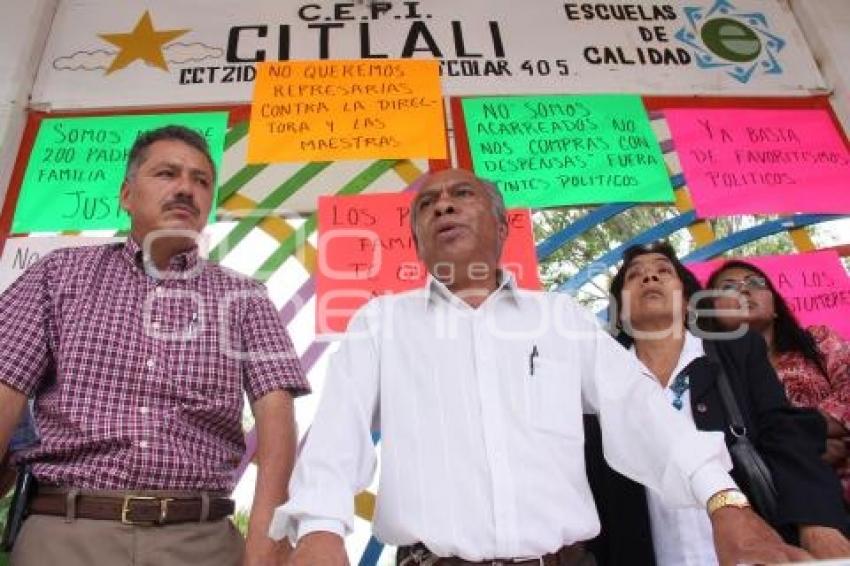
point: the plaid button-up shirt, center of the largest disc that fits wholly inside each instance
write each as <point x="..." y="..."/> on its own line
<point x="139" y="379"/>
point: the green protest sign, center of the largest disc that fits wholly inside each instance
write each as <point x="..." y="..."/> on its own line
<point x="76" y="167"/>
<point x="546" y="151"/>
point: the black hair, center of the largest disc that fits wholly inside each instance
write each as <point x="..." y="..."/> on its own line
<point x="788" y="335"/>
<point x="690" y="284"/>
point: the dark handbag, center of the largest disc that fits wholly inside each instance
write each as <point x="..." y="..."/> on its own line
<point x="24" y="488"/>
<point x="745" y="457"/>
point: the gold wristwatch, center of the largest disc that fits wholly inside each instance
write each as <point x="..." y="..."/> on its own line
<point x="727" y="498"/>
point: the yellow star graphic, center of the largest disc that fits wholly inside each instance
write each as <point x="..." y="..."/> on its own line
<point x="143" y="43"/>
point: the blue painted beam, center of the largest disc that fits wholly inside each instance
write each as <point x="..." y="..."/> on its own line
<point x="677" y="180"/>
<point x="613" y="256"/>
<point x="551" y="244"/>
<point x="763" y="230"/>
<point x="371" y="553"/>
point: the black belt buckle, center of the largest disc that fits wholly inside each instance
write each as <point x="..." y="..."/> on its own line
<point x="419" y="555"/>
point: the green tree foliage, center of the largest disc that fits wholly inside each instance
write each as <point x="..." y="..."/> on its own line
<point x="575" y="255"/>
<point x="556" y="269"/>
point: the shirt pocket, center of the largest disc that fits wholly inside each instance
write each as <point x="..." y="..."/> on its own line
<point x="555" y="398"/>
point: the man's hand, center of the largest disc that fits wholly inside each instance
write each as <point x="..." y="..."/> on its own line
<point x="834" y="428"/>
<point x="275" y="426"/>
<point x="267" y="553"/>
<point x="12" y="403"/>
<point x="741" y="536"/>
<point x="824" y="542"/>
<point x="320" y="549"/>
<point x="836" y="452"/>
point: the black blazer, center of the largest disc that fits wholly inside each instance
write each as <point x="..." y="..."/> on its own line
<point x="790" y="441"/>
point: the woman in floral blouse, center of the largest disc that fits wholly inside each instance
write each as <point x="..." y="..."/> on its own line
<point x="813" y="364"/>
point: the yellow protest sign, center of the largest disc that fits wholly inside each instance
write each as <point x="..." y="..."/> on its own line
<point x="360" y="109"/>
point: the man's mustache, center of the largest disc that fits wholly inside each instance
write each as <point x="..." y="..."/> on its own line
<point x="183" y="203"/>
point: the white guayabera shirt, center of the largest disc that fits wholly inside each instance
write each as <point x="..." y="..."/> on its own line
<point x="480" y="414"/>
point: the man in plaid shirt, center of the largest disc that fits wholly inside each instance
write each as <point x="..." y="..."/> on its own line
<point x="138" y="355"/>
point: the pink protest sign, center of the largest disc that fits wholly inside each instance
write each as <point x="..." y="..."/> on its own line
<point x="815" y="285"/>
<point x="366" y="249"/>
<point x="740" y="161"/>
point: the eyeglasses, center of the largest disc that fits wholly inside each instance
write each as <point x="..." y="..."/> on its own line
<point x="751" y="282"/>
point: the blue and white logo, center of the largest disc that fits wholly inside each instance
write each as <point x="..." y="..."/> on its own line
<point x="738" y="42"/>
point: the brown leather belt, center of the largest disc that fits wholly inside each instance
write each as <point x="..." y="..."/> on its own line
<point x="574" y="554"/>
<point x="132" y="509"/>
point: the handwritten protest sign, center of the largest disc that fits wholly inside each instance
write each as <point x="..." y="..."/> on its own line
<point x="559" y="150"/>
<point x="328" y="110"/>
<point x="761" y="161"/>
<point x="19" y="254"/>
<point x="366" y="249"/>
<point x="76" y="167"/>
<point x="815" y="285"/>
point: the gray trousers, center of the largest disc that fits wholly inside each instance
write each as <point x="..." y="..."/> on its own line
<point x="52" y="541"/>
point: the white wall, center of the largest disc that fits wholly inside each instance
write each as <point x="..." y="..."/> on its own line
<point x="24" y="27"/>
<point x="826" y="25"/>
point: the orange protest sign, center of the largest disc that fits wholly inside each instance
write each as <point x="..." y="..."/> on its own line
<point x="366" y="249"/>
<point x="361" y="109"/>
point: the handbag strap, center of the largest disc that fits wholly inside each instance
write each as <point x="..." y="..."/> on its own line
<point x="736" y="421"/>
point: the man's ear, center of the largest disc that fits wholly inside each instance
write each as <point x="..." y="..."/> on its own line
<point x="124" y="195"/>
<point x="415" y="242"/>
<point x="503" y="230"/>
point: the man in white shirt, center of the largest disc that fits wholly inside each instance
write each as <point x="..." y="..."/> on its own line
<point x="478" y="390"/>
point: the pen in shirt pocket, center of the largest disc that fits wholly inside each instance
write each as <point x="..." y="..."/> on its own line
<point x="534" y="353"/>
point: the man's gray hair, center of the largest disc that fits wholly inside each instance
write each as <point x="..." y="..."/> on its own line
<point x="497" y="200"/>
<point x="497" y="204"/>
<point x="139" y="151"/>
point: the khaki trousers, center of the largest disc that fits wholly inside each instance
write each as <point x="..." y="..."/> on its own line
<point x="51" y="541"/>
